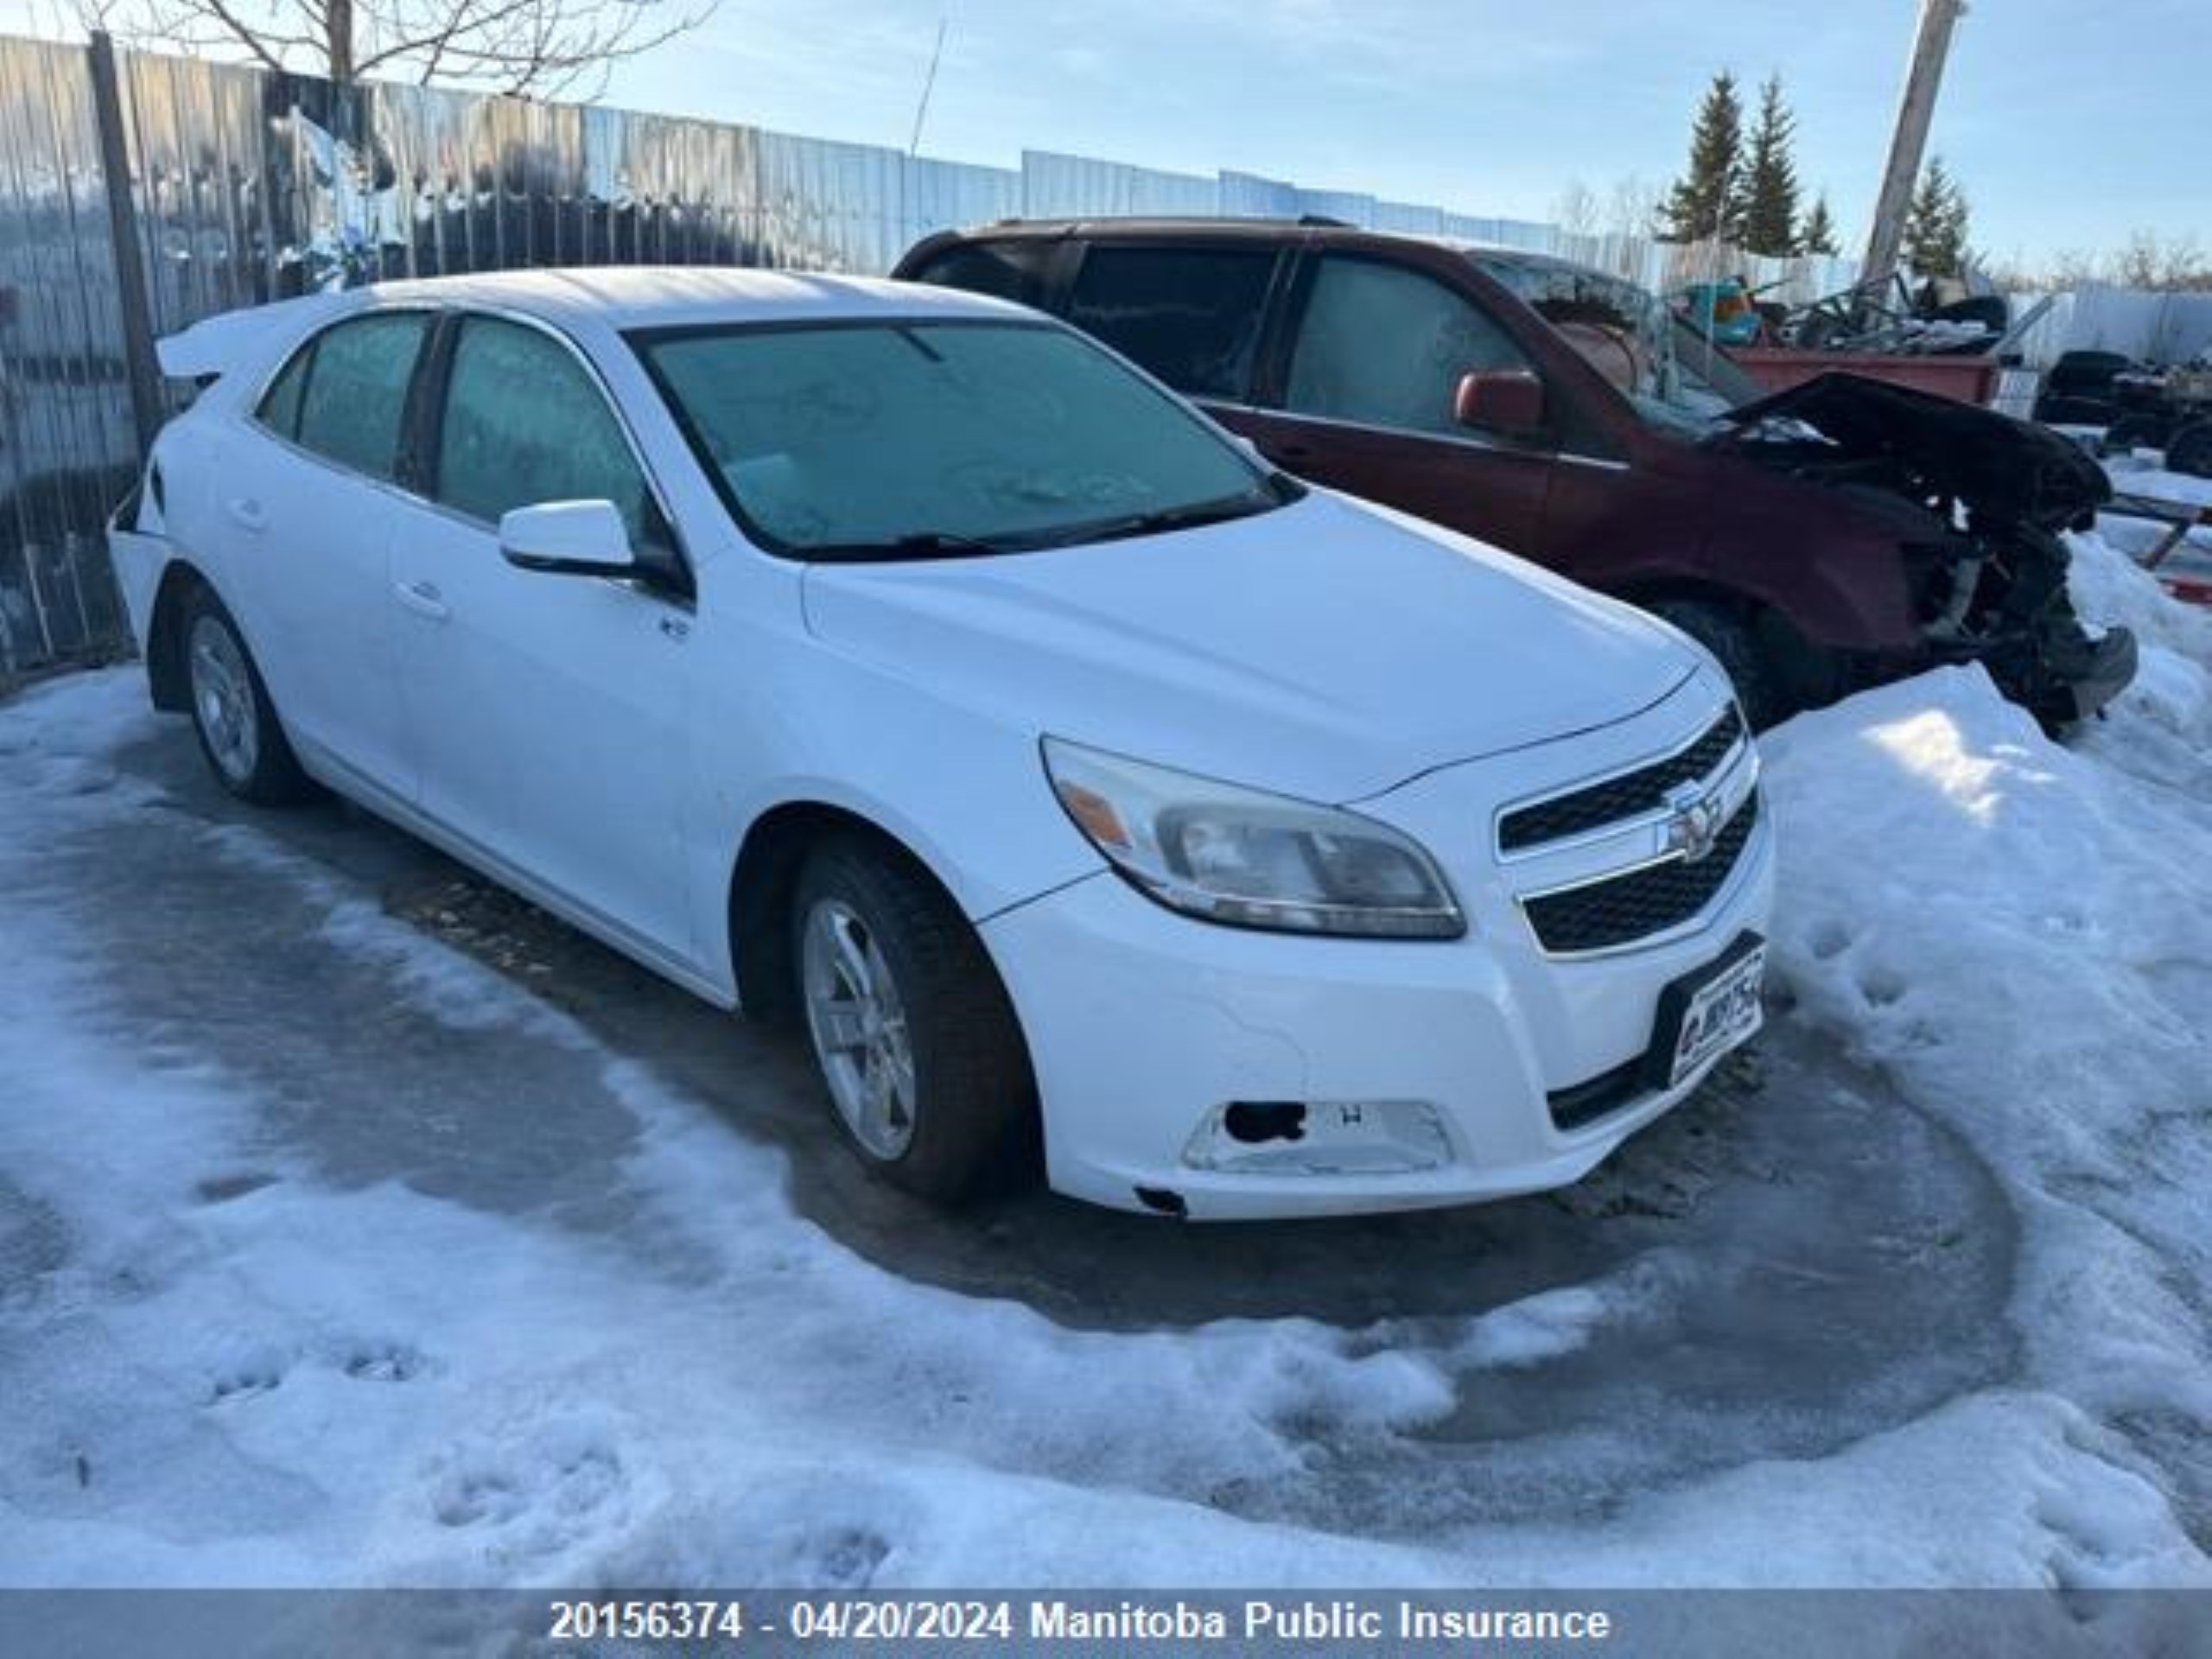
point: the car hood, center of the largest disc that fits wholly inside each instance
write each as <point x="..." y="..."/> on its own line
<point x="1328" y="649"/>
<point x="2008" y="471"/>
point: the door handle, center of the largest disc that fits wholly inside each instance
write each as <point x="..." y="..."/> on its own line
<point x="249" y="513"/>
<point x="423" y="599"/>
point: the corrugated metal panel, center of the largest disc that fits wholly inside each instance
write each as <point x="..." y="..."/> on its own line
<point x="65" y="435"/>
<point x="1055" y="186"/>
<point x="1349" y="205"/>
<point x="1246" y="195"/>
<point x="1407" y="218"/>
<point x="942" y="194"/>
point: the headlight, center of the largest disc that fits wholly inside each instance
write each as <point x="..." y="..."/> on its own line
<point x="1250" y="859"/>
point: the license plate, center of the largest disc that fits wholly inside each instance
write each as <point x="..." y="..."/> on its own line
<point x="1721" y="1013"/>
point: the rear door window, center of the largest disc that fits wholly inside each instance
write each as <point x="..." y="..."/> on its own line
<point x="1379" y="345"/>
<point x="353" y="403"/>
<point x="1190" y="315"/>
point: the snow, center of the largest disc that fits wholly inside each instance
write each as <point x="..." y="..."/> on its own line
<point x="2142" y="473"/>
<point x="227" y="1362"/>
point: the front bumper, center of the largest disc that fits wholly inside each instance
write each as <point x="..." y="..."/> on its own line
<point x="2096" y="671"/>
<point x="1143" y="1024"/>
<point x="2056" y="671"/>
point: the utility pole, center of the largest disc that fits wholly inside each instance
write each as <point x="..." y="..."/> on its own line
<point x="1915" y="112"/>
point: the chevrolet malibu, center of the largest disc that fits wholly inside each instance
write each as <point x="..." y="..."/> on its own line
<point x="903" y="665"/>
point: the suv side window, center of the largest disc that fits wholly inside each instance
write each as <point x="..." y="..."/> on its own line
<point x="1383" y="346"/>
<point x="1005" y="270"/>
<point x="352" y="401"/>
<point x="1190" y="315"/>
<point x="524" y="423"/>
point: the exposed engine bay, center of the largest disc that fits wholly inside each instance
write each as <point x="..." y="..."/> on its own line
<point x="1978" y="501"/>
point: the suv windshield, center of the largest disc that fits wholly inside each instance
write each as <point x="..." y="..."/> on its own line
<point x="904" y="439"/>
<point x="1677" y="379"/>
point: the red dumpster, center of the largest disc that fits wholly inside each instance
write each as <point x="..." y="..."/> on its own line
<point x="1969" y="379"/>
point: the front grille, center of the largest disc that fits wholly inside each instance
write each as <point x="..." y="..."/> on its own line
<point x="1640" y="903"/>
<point x="1625" y="796"/>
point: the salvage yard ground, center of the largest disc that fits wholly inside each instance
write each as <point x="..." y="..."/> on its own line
<point x="359" y="1225"/>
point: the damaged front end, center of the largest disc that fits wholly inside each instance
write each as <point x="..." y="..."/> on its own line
<point x="1978" y="501"/>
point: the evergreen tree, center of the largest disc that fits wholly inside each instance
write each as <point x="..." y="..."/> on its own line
<point x="1698" y="207"/>
<point x="1818" y="235"/>
<point x="1936" y="225"/>
<point x="1764" y="218"/>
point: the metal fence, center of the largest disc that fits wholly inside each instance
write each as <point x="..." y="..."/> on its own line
<point x="242" y="185"/>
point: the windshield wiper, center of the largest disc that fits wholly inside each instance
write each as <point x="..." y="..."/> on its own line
<point x="944" y="544"/>
<point x="916" y="544"/>
<point x="1167" y="518"/>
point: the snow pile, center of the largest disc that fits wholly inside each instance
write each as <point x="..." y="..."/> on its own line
<point x="2021" y="934"/>
<point x="2161" y="726"/>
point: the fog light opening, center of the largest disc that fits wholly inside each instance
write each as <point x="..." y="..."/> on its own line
<point x="1319" y="1138"/>
<point x="1161" y="1201"/>
<point x="1255" y="1122"/>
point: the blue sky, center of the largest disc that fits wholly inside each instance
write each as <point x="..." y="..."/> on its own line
<point x="2069" y="124"/>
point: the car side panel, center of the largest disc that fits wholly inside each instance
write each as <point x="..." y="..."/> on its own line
<point x="784" y="718"/>
<point x="1491" y="492"/>
<point x="311" y="587"/>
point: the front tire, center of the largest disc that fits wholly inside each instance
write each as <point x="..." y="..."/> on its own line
<point x="1759" y="688"/>
<point x="912" y="1032"/>
<point x="232" y="714"/>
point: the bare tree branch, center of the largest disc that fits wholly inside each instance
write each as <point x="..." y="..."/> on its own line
<point x="247" y="38"/>
<point x="527" y="48"/>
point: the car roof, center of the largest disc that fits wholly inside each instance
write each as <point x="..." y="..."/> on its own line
<point x="1169" y="227"/>
<point x="582" y="301"/>
<point x="653" y="296"/>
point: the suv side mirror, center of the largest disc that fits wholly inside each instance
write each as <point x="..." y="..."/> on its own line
<point x="572" y="538"/>
<point x="1509" y="402"/>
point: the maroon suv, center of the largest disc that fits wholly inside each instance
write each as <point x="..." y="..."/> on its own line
<point x="1816" y="540"/>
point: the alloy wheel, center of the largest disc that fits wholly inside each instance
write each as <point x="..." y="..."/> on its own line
<point x="223" y="700"/>
<point x="858" y="1021"/>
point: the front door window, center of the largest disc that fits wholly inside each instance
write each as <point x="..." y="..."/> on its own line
<point x="1379" y="345"/>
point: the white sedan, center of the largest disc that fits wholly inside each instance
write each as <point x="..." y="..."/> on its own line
<point x="901" y="664"/>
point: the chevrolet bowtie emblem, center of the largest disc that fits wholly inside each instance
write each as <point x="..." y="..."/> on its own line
<point x="1694" y="825"/>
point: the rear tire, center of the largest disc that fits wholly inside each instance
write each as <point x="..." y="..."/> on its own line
<point x="231" y="714"/>
<point x="913" y="1033"/>
<point x="2189" y="450"/>
<point x="1731" y="640"/>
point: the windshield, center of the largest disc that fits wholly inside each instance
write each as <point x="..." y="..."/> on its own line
<point x="913" y="440"/>
<point x="1677" y="379"/>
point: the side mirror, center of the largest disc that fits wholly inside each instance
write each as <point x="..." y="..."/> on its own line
<point x="1509" y="402"/>
<point x="570" y="538"/>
